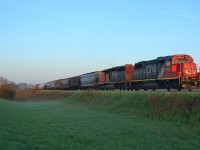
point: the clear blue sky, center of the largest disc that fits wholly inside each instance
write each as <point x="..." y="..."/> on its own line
<point x="43" y="40"/>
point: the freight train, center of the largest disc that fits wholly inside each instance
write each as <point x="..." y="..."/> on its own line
<point x="169" y="72"/>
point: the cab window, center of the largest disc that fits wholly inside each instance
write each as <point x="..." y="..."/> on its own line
<point x="174" y="62"/>
<point x="168" y="63"/>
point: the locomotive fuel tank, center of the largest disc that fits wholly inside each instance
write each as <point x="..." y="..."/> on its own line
<point x="150" y="86"/>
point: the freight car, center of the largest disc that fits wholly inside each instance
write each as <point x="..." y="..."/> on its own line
<point x="74" y="83"/>
<point x="41" y="86"/>
<point x="58" y="84"/>
<point x="90" y="80"/>
<point x="50" y="85"/>
<point x="65" y="84"/>
<point x="36" y="87"/>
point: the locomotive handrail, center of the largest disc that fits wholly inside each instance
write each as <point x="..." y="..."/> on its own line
<point x="198" y="68"/>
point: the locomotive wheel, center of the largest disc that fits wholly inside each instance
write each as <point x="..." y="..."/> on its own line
<point x="168" y="89"/>
<point x="136" y="89"/>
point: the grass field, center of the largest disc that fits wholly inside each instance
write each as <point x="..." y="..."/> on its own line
<point x="101" y="120"/>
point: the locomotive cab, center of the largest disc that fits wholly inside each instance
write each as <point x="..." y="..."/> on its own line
<point x="184" y="65"/>
<point x="186" y="69"/>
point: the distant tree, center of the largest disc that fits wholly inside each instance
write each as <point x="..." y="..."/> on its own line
<point x="22" y="86"/>
<point x="3" y="81"/>
<point x="7" y="88"/>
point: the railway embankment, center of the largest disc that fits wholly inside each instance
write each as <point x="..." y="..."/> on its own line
<point x="168" y="106"/>
<point x="179" y="107"/>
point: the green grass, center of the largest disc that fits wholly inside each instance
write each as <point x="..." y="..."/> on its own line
<point x="100" y="120"/>
<point x="175" y="107"/>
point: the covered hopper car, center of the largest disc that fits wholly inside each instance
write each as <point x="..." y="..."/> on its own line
<point x="90" y="80"/>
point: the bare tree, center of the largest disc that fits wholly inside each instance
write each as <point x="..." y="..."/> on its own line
<point x="3" y="81"/>
<point x="7" y="88"/>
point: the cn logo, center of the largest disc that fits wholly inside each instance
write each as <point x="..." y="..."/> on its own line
<point x="150" y="69"/>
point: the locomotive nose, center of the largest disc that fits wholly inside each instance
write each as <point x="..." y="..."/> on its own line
<point x="190" y="70"/>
